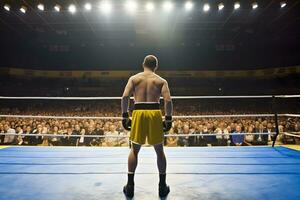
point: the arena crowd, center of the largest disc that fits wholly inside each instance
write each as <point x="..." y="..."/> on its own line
<point x="221" y="126"/>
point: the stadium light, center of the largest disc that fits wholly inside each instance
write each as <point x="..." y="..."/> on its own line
<point x="105" y="7"/>
<point x="188" y="5"/>
<point x="88" y="6"/>
<point x="150" y="6"/>
<point x="7" y="7"/>
<point x="23" y="9"/>
<point x="282" y="4"/>
<point x="41" y="7"/>
<point x="206" y="7"/>
<point x="237" y="5"/>
<point x="220" y="6"/>
<point x="131" y="6"/>
<point x="72" y="8"/>
<point x="57" y="8"/>
<point x="254" y="5"/>
<point x="167" y="6"/>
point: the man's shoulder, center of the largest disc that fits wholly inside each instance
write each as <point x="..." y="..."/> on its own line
<point x="161" y="78"/>
<point x="135" y="76"/>
<point x="140" y="74"/>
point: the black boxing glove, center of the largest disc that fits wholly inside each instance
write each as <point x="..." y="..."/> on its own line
<point x="126" y="121"/>
<point x="167" y="123"/>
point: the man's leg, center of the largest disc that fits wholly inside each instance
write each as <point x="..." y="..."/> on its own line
<point x="161" y="158"/>
<point x="132" y="164"/>
<point x="133" y="158"/>
<point x="162" y="166"/>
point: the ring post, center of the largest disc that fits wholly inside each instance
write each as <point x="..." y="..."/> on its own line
<point x="274" y="107"/>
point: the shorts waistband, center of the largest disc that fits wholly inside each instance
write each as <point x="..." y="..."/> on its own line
<point x="146" y="106"/>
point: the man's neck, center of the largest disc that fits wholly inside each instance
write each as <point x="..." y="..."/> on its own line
<point x="146" y="70"/>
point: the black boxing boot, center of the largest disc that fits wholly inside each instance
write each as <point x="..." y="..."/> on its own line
<point x="163" y="188"/>
<point x="128" y="189"/>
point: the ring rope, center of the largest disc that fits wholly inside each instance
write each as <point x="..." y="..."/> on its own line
<point x="174" y="117"/>
<point x="57" y="117"/>
<point x="291" y="115"/>
<point x="126" y="136"/>
<point x="173" y="97"/>
<point x="297" y="134"/>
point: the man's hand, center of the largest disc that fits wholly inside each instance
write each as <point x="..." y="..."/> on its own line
<point x="126" y="121"/>
<point x="167" y="123"/>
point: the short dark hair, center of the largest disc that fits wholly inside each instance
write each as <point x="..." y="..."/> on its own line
<point x="150" y="62"/>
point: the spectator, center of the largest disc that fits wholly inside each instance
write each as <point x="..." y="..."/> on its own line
<point x="210" y="140"/>
<point x="55" y="141"/>
<point x="9" y="138"/>
<point x="270" y="129"/>
<point x="198" y="140"/>
<point x="184" y="141"/>
<point x="45" y="141"/>
<point x="89" y="141"/>
<point x="249" y="137"/>
<point x="81" y="141"/>
<point x="68" y="140"/>
<point x="112" y="141"/>
<point x="238" y="140"/>
<point x="260" y="139"/>
<point x="19" y="138"/>
<point x="99" y="131"/>
<point x="172" y="141"/>
<point x="26" y="139"/>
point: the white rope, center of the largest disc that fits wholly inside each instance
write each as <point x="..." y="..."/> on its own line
<point x="62" y="135"/>
<point x="289" y="115"/>
<point x="293" y="135"/>
<point x="173" y="97"/>
<point x="216" y="134"/>
<point x="126" y="136"/>
<point x="58" y="117"/>
<point x="61" y="98"/>
<point x="287" y="96"/>
<point x="119" y="118"/>
<point x="222" y="116"/>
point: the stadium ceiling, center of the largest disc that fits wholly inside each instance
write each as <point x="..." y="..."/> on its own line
<point x="187" y="21"/>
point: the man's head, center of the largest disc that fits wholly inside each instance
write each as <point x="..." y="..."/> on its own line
<point x="90" y="128"/>
<point x="186" y="129"/>
<point x="28" y="129"/>
<point x="112" y="128"/>
<point x="18" y="129"/>
<point x="6" y="127"/>
<point x="238" y="128"/>
<point x="150" y="62"/>
<point x="269" y="125"/>
<point x="55" y="128"/>
<point x="77" y="127"/>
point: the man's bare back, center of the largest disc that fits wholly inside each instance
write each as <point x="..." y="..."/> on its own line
<point x="147" y="87"/>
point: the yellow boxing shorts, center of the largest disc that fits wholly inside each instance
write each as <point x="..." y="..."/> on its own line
<point x="146" y="124"/>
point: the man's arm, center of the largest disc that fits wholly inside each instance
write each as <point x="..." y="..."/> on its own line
<point x="165" y="92"/>
<point x="126" y="95"/>
<point x="126" y="122"/>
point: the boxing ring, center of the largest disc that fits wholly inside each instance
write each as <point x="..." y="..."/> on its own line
<point x="193" y="173"/>
<point x="245" y="172"/>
